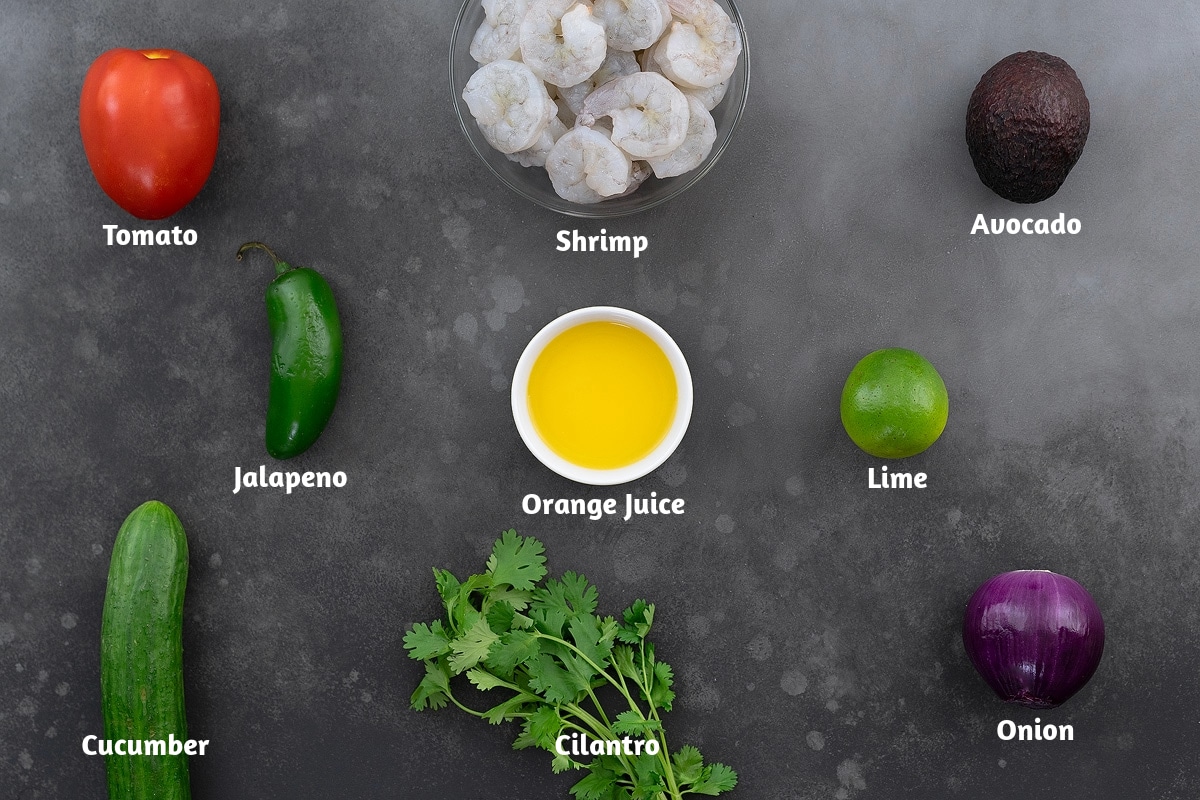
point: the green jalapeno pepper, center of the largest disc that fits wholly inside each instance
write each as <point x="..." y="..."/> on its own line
<point x="306" y="356"/>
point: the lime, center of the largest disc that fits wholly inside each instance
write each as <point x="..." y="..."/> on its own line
<point x="894" y="404"/>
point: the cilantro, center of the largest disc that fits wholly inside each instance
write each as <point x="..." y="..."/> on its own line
<point x="517" y="562"/>
<point x="427" y="641"/>
<point x="472" y="647"/>
<point x="540" y="643"/>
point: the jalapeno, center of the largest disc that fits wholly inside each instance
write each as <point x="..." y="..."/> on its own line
<point x="306" y="356"/>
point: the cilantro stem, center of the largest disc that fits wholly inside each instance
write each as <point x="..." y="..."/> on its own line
<point x="483" y="714"/>
<point x="603" y="732"/>
<point x="471" y="711"/>
<point x="584" y="656"/>
<point x="599" y="708"/>
<point x="664" y="753"/>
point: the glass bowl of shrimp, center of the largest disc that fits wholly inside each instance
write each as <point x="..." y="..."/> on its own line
<point x="599" y="109"/>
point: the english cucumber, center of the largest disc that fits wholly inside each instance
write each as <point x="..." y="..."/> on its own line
<point x="141" y="653"/>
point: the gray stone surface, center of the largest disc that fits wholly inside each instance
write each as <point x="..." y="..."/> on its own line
<point x="813" y="624"/>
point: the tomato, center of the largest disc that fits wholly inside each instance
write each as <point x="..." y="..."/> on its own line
<point x="149" y="121"/>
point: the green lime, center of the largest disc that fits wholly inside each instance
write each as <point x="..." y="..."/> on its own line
<point x="894" y="404"/>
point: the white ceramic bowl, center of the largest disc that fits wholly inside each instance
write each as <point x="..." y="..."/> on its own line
<point x="602" y="477"/>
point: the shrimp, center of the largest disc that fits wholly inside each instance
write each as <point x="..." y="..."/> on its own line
<point x="641" y="171"/>
<point x="510" y="104"/>
<point x="633" y="24"/>
<point x="649" y="114"/>
<point x="615" y="64"/>
<point x="561" y="41"/>
<point x="565" y="114"/>
<point x="586" y="167"/>
<point x="535" y="155"/>
<point x="702" y="47"/>
<point x="710" y="97"/>
<point x="499" y="36"/>
<point x="701" y="133"/>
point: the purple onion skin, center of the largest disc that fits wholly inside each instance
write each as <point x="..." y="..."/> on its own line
<point x="1034" y="636"/>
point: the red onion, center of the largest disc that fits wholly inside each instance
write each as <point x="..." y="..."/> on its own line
<point x="1034" y="636"/>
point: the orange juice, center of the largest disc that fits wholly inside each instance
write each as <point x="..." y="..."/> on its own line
<point x="602" y="395"/>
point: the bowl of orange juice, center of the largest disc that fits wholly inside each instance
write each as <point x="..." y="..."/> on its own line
<point x="602" y="395"/>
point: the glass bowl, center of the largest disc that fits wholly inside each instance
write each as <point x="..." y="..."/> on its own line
<point x="533" y="183"/>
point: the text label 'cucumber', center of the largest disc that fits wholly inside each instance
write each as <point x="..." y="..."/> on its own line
<point x="95" y="746"/>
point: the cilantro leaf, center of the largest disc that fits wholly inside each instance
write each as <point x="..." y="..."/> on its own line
<point x="447" y="585"/>
<point x="648" y="778"/>
<point x="562" y="763"/>
<point x="572" y="593"/>
<point x="688" y="764"/>
<point x="427" y="641"/>
<point x="473" y="646"/>
<point x="448" y="589"/>
<point x="638" y="619"/>
<point x="517" y="561"/>
<point x="474" y="584"/>
<point x="597" y="785"/>
<point x="500" y="616"/>
<point x="434" y="689"/>
<point x="509" y="709"/>
<point x="519" y="600"/>
<point x="543" y="727"/>
<point x="513" y="649"/>
<point x="592" y="639"/>
<point x="716" y="778"/>
<point x="549" y="620"/>
<point x="623" y="660"/>
<point x="583" y="672"/>
<point x="483" y="680"/>
<point x="556" y="684"/>
<point x="632" y="723"/>
<point x="660" y="693"/>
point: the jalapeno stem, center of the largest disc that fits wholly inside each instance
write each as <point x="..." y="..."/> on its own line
<point x="281" y="266"/>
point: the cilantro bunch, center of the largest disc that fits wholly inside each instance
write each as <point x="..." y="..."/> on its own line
<point x="546" y="650"/>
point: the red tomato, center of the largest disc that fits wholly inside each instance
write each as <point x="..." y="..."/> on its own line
<point x="149" y="121"/>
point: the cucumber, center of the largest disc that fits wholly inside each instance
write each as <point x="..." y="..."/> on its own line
<point x="141" y="653"/>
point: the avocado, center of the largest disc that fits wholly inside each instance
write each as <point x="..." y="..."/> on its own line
<point x="1027" y="122"/>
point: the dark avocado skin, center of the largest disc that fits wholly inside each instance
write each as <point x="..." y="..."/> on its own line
<point x="1027" y="122"/>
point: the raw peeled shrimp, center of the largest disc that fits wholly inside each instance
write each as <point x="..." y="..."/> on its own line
<point x="633" y="24"/>
<point x="510" y="104"/>
<point x="615" y="64"/>
<point x="701" y="48"/>
<point x="709" y="97"/>
<point x="535" y="156"/>
<point x="649" y="114"/>
<point x="701" y="133"/>
<point x="561" y="41"/>
<point x="499" y="36"/>
<point x="586" y="167"/>
<point x="641" y="171"/>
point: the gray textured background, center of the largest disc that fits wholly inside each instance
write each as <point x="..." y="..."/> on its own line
<point x="813" y="624"/>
